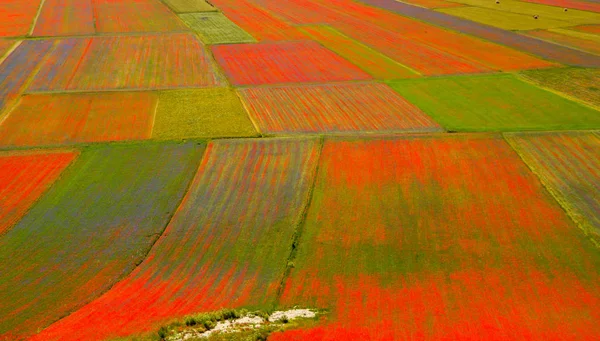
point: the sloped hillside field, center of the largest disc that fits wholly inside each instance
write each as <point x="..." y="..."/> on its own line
<point x="438" y="238"/>
<point x="89" y="230"/>
<point x="339" y="170"/>
<point x="226" y="246"/>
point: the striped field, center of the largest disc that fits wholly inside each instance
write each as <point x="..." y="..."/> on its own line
<point x="569" y="166"/>
<point x="369" y="107"/>
<point x="418" y="56"/>
<point x="16" y="69"/>
<point x="226" y="246"/>
<point x="214" y="112"/>
<point x="76" y="118"/>
<point x="215" y="28"/>
<point x="571" y="16"/>
<point x="439" y="238"/>
<point x="495" y="103"/>
<point x="287" y="62"/>
<point x="583" y="41"/>
<point x="65" y="17"/>
<point x="24" y="177"/>
<point x="114" y="16"/>
<point x="89" y="231"/>
<point x="371" y="61"/>
<point x="413" y="170"/>
<point x="590" y="6"/>
<point x="259" y="23"/>
<point x="583" y="84"/>
<point x="504" y="20"/>
<point x="127" y="62"/>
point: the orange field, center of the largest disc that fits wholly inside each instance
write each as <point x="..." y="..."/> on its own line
<point x="135" y="16"/>
<point x="65" y="17"/>
<point x="16" y="16"/>
<point x="272" y="63"/>
<point x="221" y="249"/>
<point x="347" y="108"/>
<point x="24" y="177"/>
<point x="127" y="62"/>
<point x="260" y="24"/>
<point x="74" y="118"/>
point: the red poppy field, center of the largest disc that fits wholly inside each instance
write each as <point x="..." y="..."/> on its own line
<point x="309" y="170"/>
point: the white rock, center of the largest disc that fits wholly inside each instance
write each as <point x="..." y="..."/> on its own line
<point x="291" y="314"/>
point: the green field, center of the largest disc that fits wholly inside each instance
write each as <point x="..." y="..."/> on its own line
<point x="90" y="230"/>
<point x="215" y="28"/>
<point x="495" y="103"/>
<point x="504" y="20"/>
<point x="215" y="112"/>
<point x="583" y="84"/>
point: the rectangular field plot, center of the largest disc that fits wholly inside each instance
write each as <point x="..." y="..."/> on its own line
<point x="226" y="246"/>
<point x="289" y="62"/>
<point x="495" y="56"/>
<point x="215" y="28"/>
<point x="495" y="103"/>
<point x="504" y="20"/>
<point x="190" y="6"/>
<point x="373" y="62"/>
<point x="75" y="118"/>
<point x="439" y="238"/>
<point x="582" y="84"/>
<point x="65" y="17"/>
<point x="135" y="16"/>
<point x="569" y="165"/>
<point x="16" y="69"/>
<point x="334" y="109"/>
<point x="24" y="177"/>
<point x="418" y="56"/>
<point x="582" y="41"/>
<point x="89" y="230"/>
<point x="17" y="17"/>
<point x="127" y="62"/>
<point x="259" y="23"/>
<point x="571" y="16"/>
<point x="300" y="12"/>
<point x="201" y="113"/>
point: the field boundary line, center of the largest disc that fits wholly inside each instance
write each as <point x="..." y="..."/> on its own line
<point x="150" y="247"/>
<point x="11" y="104"/>
<point x="247" y="109"/>
<point x="74" y="151"/>
<point x="289" y="265"/>
<point x="35" y="19"/>
<point x="576" y="218"/>
<point x="524" y="78"/>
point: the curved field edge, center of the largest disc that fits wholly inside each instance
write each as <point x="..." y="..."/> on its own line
<point x="226" y="246"/>
<point x="25" y="177"/>
<point x="81" y="242"/>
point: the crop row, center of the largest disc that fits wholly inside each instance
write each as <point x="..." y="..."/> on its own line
<point x="402" y="234"/>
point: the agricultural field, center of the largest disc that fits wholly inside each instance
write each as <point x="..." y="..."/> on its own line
<point x="223" y="247"/>
<point x="303" y="170"/>
<point x="495" y="103"/>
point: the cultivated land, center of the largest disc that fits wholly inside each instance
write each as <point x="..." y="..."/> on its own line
<point x="407" y="170"/>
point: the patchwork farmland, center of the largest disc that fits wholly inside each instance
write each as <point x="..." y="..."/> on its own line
<point x="402" y="170"/>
